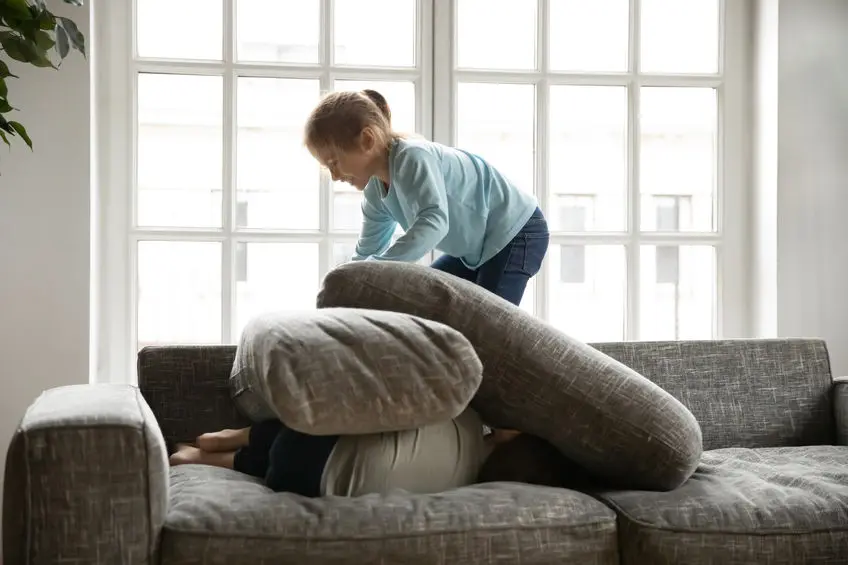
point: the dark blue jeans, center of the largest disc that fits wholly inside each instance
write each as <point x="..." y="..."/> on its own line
<point x="288" y="460"/>
<point x="506" y="274"/>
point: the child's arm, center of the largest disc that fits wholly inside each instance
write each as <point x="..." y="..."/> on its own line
<point x="424" y="192"/>
<point x="378" y="227"/>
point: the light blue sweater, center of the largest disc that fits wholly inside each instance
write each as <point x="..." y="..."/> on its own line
<point x="445" y="199"/>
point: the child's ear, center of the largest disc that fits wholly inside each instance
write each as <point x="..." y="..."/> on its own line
<point x="367" y="139"/>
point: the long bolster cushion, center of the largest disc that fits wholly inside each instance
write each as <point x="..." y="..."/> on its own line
<point x="598" y="412"/>
<point x="349" y="371"/>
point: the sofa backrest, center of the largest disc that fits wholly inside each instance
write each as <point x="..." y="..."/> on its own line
<point x="187" y="389"/>
<point x="744" y="393"/>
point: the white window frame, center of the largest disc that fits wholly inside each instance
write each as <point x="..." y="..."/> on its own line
<point x="436" y="79"/>
<point x="731" y="316"/>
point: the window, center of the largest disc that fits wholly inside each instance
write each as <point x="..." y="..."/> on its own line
<point x="668" y="265"/>
<point x="576" y="212"/>
<point x="573" y="267"/>
<point x="625" y="118"/>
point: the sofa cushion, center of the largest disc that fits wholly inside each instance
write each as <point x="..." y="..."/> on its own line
<point x="598" y="412"/>
<point x="348" y="371"/>
<point x="789" y="503"/>
<point x="222" y="517"/>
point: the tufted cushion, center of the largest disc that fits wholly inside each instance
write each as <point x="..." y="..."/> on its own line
<point x="781" y="506"/>
<point x="219" y="517"/>
<point x="599" y="413"/>
<point x="347" y="371"/>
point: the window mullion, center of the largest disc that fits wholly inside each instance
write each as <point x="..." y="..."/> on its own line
<point x="443" y="39"/>
<point x="633" y="250"/>
<point x="228" y="248"/>
<point x="325" y="187"/>
<point x="542" y="147"/>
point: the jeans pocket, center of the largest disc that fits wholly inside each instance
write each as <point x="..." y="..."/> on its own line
<point x="515" y="262"/>
<point x="536" y="247"/>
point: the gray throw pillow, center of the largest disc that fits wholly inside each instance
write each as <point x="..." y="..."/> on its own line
<point x="599" y="413"/>
<point x="348" y="371"/>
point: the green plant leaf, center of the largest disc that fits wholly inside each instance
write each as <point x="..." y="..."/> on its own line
<point x="43" y="40"/>
<point x="46" y="20"/>
<point x="4" y="89"/>
<point x="62" y="42"/>
<point x="6" y="126"/>
<point x="4" y="71"/>
<point x="25" y="51"/>
<point x="4" y="138"/>
<point x="19" y="8"/>
<point x="5" y="107"/>
<point x="21" y="131"/>
<point x="74" y="34"/>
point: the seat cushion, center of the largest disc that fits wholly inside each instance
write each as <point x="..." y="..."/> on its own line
<point x="789" y="503"/>
<point x="598" y="412"/>
<point x="219" y="516"/>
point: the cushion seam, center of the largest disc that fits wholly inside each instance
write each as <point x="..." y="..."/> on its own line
<point x="390" y="537"/>
<point x="770" y="532"/>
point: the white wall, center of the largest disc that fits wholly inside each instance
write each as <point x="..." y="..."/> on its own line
<point x="763" y="228"/>
<point x="812" y="173"/>
<point x="44" y="235"/>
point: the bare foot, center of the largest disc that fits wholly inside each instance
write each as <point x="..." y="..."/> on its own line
<point x="188" y="454"/>
<point x="225" y="440"/>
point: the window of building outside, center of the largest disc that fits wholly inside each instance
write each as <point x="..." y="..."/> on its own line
<point x="614" y="113"/>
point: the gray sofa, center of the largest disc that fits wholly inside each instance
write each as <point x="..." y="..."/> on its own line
<point x="87" y="480"/>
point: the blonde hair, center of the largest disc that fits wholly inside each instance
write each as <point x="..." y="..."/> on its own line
<point x="339" y="118"/>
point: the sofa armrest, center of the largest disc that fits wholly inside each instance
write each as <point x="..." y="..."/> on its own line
<point x="840" y="409"/>
<point x="86" y="479"/>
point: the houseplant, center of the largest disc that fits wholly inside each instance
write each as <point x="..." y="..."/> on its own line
<point x="31" y="34"/>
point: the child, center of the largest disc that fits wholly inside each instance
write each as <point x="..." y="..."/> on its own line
<point x="491" y="233"/>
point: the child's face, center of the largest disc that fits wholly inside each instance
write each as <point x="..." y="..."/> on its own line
<point x="355" y="166"/>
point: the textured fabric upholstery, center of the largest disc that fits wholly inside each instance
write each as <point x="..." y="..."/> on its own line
<point x="596" y="411"/>
<point x="779" y="506"/>
<point x="187" y="389"/>
<point x="745" y="393"/>
<point x="346" y="371"/>
<point x="840" y="409"/>
<point x="86" y="480"/>
<point x="219" y="517"/>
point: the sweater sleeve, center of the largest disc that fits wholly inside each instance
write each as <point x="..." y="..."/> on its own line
<point x="421" y="189"/>
<point x="378" y="226"/>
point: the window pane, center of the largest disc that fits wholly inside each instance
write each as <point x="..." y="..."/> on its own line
<point x="179" y="292"/>
<point x="588" y="286"/>
<point x="361" y="40"/>
<point x="680" y="37"/>
<point x="274" y="276"/>
<point x="347" y="210"/>
<point x="497" y="122"/>
<point x="285" y="31"/>
<point x="180" y="29"/>
<point x="588" y="164"/>
<point x="679" y="165"/>
<point x="179" y="150"/>
<point x="589" y="36"/>
<point x="496" y="34"/>
<point x="278" y="180"/>
<point x="678" y="292"/>
<point x="347" y="213"/>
